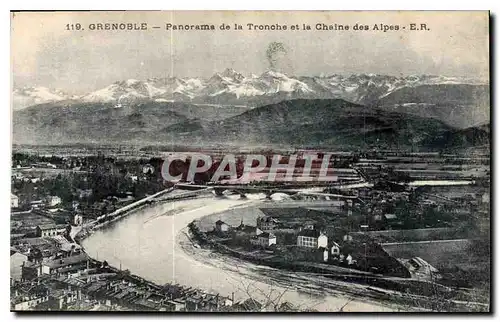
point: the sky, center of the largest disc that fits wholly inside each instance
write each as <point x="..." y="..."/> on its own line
<point x="44" y="53"/>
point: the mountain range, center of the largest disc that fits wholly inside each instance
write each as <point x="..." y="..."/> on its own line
<point x="299" y="122"/>
<point x="356" y="110"/>
<point x="232" y="88"/>
<point x="29" y="96"/>
<point x="332" y="122"/>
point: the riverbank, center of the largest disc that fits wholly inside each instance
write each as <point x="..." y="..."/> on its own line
<point x="405" y="291"/>
<point x="158" y="234"/>
<point x="189" y="298"/>
<point x="118" y="214"/>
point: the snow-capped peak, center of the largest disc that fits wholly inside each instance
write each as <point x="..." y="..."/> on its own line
<point x="27" y="96"/>
<point x="131" y="82"/>
<point x="231" y="87"/>
<point x="273" y="74"/>
<point x="229" y="72"/>
<point x="130" y="89"/>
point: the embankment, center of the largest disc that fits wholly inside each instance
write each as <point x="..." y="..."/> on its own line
<point x="403" y="285"/>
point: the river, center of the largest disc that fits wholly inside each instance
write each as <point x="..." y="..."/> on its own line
<point x="153" y="243"/>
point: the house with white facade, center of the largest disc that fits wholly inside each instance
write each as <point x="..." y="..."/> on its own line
<point x="265" y="240"/>
<point x="49" y="230"/>
<point x="221" y="226"/>
<point x="78" y="262"/>
<point x="17" y="261"/>
<point x="53" y="201"/>
<point x="312" y="238"/>
<point x="14" y="201"/>
<point x="267" y="223"/>
<point x="335" y="250"/>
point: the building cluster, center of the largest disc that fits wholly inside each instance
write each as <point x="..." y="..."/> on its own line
<point x="36" y="182"/>
<point x="32" y="257"/>
<point x="30" y="224"/>
<point x="51" y="273"/>
<point x="47" y="202"/>
<point x="75" y="163"/>
<point x="306" y="242"/>
<point x="100" y="288"/>
<point x="138" y="294"/>
<point x="80" y="283"/>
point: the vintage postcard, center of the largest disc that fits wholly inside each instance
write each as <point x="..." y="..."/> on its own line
<point x="250" y="161"/>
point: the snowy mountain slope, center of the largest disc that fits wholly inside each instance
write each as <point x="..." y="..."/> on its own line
<point x="230" y="87"/>
<point x="127" y="91"/>
<point x="28" y="96"/>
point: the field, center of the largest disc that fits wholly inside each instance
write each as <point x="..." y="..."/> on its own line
<point x="31" y="219"/>
<point x="415" y="235"/>
<point x="439" y="253"/>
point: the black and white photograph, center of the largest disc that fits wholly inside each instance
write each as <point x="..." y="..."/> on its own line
<point x="250" y="161"/>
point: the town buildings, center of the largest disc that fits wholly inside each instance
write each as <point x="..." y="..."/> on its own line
<point x="30" y="271"/>
<point x="17" y="261"/>
<point x="48" y="230"/>
<point x="206" y="302"/>
<point x="65" y="265"/>
<point x="14" y="201"/>
<point x="312" y="238"/>
<point x="175" y="306"/>
<point x="36" y="204"/>
<point x="78" y="220"/>
<point x="84" y="193"/>
<point x="53" y="201"/>
<point x="335" y="250"/>
<point x="221" y="226"/>
<point x="27" y="298"/>
<point x="265" y="239"/>
<point x="267" y="223"/>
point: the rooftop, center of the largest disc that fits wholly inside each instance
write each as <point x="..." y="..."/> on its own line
<point x="268" y="219"/>
<point x="310" y="233"/>
<point x="47" y="226"/>
<point x="267" y="235"/>
<point x="390" y="216"/>
<point x="67" y="261"/>
<point x="33" y="241"/>
<point x="246" y="229"/>
<point x="31" y="264"/>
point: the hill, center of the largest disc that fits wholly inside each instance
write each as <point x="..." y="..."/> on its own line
<point x="462" y="138"/>
<point x="455" y="100"/>
<point x="459" y="105"/>
<point x="335" y="123"/>
<point x="300" y="122"/>
<point x="76" y="121"/>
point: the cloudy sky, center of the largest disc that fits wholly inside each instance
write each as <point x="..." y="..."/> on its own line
<point x="44" y="53"/>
